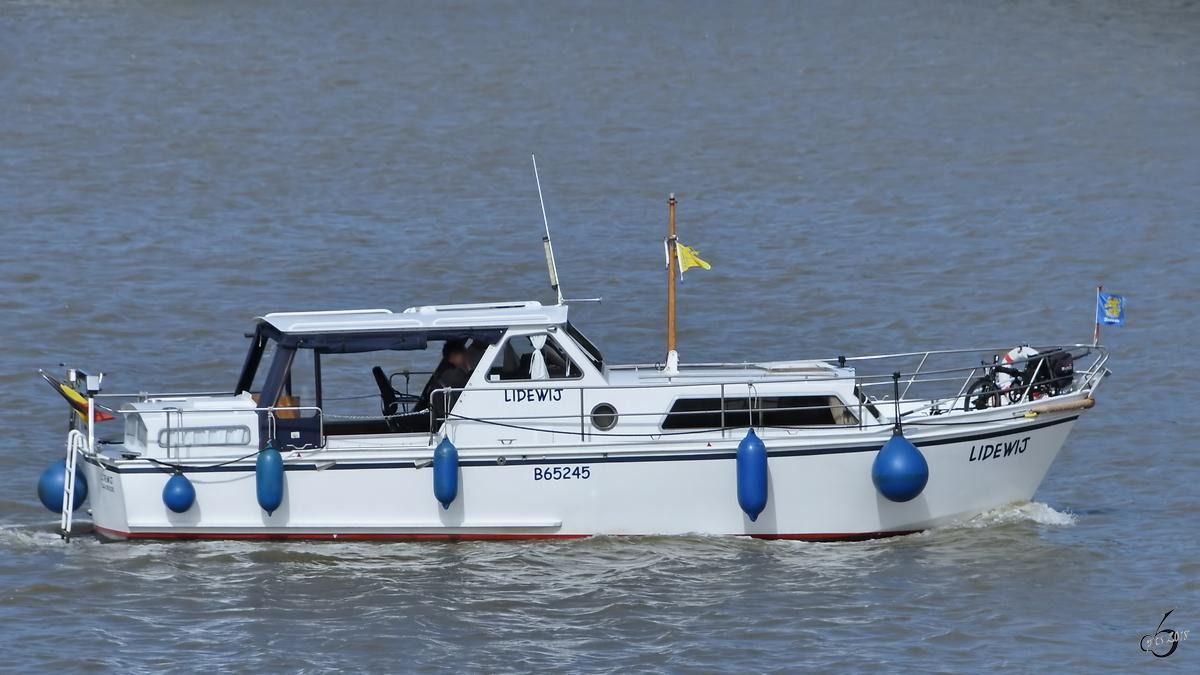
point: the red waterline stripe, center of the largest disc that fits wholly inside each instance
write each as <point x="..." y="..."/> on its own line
<point x="862" y="536"/>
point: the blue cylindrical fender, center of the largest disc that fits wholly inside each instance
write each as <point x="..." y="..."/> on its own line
<point x="179" y="494"/>
<point x="268" y="477"/>
<point x="900" y="471"/>
<point x="445" y="472"/>
<point x="50" y="486"/>
<point x="752" y="475"/>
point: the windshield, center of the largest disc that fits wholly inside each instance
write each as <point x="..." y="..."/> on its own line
<point x="593" y="354"/>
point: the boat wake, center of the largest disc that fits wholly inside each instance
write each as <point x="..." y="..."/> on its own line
<point x="17" y="536"/>
<point x="1025" y="512"/>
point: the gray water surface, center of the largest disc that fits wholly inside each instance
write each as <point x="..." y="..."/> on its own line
<point x="864" y="177"/>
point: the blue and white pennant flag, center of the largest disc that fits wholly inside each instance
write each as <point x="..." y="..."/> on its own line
<point x="1110" y="309"/>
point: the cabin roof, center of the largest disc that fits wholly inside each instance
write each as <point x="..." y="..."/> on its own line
<point x="778" y="371"/>
<point x="480" y="315"/>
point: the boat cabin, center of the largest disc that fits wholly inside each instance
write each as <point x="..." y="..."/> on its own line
<point x="399" y="359"/>
<point x="374" y="378"/>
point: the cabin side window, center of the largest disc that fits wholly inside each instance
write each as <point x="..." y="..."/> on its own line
<point x="766" y="411"/>
<point x="533" y="357"/>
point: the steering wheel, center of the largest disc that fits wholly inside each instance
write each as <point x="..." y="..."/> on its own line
<point x="386" y="394"/>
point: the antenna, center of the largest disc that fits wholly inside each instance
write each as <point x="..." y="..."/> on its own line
<point x="546" y="239"/>
<point x="553" y="269"/>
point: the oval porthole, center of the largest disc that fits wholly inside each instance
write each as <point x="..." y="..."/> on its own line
<point x="604" y="416"/>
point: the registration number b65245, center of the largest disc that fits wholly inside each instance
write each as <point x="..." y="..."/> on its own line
<point x="562" y="473"/>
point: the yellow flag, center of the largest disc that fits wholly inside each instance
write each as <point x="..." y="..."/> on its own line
<point x="688" y="258"/>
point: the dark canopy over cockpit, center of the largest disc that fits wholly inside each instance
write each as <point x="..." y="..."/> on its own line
<point x="341" y="343"/>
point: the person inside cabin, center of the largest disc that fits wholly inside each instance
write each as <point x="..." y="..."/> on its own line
<point x="475" y="353"/>
<point x="452" y="372"/>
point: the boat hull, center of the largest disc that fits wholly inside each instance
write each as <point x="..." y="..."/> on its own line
<point x="819" y="488"/>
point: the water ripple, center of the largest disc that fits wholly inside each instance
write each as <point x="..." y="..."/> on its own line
<point x="913" y="176"/>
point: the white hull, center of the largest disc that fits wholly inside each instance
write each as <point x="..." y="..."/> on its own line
<point x="540" y="438"/>
<point x="820" y="488"/>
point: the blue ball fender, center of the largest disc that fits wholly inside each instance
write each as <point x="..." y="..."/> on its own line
<point x="900" y="471"/>
<point x="268" y="478"/>
<point x="50" y="486"/>
<point x="445" y="473"/>
<point x="179" y="494"/>
<point x="752" y="475"/>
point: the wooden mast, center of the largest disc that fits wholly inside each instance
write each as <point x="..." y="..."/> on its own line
<point x="671" y="280"/>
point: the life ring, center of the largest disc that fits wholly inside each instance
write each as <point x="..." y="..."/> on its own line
<point x="1022" y="353"/>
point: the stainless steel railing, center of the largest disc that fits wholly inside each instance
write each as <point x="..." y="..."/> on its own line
<point x="925" y="374"/>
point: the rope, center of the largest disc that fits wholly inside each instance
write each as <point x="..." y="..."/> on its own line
<point x="371" y="417"/>
<point x="705" y="431"/>
<point x="183" y="467"/>
<point x="655" y="435"/>
<point x="1083" y="404"/>
<point x="1062" y="407"/>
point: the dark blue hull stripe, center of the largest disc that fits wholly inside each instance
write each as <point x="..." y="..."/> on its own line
<point x="599" y="459"/>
